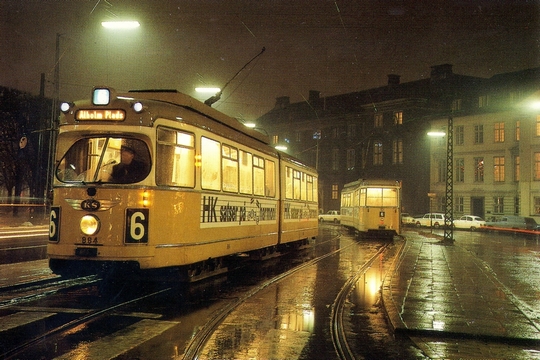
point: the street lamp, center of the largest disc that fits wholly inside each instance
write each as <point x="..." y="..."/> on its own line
<point x="120" y="25"/>
<point x="449" y="188"/>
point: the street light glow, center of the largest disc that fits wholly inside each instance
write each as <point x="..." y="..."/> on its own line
<point x="436" y="133"/>
<point x="207" y="90"/>
<point x="120" y="25"/>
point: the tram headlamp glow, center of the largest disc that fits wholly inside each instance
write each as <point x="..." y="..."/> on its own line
<point x="64" y="107"/>
<point x="138" y="107"/>
<point x="101" y="96"/>
<point x="90" y="224"/>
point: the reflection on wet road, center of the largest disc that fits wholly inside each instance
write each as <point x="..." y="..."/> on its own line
<point x="290" y="319"/>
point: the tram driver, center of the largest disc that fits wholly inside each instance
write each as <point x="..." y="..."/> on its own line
<point x="130" y="169"/>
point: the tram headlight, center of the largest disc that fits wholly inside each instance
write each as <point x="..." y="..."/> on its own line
<point x="64" y="107"/>
<point x="90" y="224"/>
<point x="138" y="107"/>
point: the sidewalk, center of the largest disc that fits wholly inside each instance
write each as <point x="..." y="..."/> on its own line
<point x="436" y="291"/>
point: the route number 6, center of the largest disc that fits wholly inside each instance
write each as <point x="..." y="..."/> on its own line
<point x="136" y="226"/>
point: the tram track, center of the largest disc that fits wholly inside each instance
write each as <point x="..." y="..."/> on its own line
<point x="199" y="340"/>
<point x="337" y="329"/>
<point x="197" y="344"/>
<point x="82" y="318"/>
<point x="34" y="290"/>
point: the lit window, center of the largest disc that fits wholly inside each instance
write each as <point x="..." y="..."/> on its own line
<point x="499" y="132"/>
<point x="176" y="158"/>
<point x="210" y="164"/>
<point x="229" y="168"/>
<point x="246" y="172"/>
<point x="398" y="118"/>
<point x="258" y="175"/>
<point x="498" y="168"/>
<point x="335" y="191"/>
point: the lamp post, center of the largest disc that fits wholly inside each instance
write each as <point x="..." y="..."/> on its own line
<point x="449" y="187"/>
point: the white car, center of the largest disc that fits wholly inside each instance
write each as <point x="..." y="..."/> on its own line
<point x="407" y="219"/>
<point x="469" y="222"/>
<point x="430" y="219"/>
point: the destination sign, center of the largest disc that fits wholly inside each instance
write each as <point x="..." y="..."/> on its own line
<point x="100" y="114"/>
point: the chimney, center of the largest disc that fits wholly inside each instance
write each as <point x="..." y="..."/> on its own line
<point x="393" y="79"/>
<point x="441" y="72"/>
<point x="314" y="96"/>
<point x="282" y="102"/>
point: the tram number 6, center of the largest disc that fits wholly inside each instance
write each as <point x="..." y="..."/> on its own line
<point x="137" y="226"/>
<point x="54" y="221"/>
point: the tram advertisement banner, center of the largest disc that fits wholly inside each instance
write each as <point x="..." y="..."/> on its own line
<point x="219" y="211"/>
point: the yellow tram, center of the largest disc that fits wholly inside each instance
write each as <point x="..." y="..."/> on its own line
<point x="372" y="208"/>
<point x="157" y="179"/>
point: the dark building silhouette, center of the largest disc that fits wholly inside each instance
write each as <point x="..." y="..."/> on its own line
<point x="379" y="132"/>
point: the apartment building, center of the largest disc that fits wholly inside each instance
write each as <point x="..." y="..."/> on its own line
<point x="496" y="153"/>
<point x="382" y="132"/>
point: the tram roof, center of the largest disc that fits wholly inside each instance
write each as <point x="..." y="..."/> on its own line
<point x="181" y="99"/>
<point x="173" y="97"/>
<point x="370" y="182"/>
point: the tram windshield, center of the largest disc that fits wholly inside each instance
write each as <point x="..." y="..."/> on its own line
<point x="105" y="160"/>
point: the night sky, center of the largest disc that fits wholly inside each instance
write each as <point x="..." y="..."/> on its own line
<point x="334" y="47"/>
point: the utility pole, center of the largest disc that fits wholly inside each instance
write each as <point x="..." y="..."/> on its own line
<point x="53" y="122"/>
<point x="449" y="193"/>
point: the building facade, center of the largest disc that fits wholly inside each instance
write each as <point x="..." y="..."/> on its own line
<point x="380" y="132"/>
<point x="496" y="150"/>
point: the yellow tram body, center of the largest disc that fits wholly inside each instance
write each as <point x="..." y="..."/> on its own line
<point x="372" y="208"/>
<point x="157" y="179"/>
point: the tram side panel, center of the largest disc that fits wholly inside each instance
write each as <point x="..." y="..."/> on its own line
<point x="299" y="202"/>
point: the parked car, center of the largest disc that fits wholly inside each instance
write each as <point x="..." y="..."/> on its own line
<point x="514" y="222"/>
<point x="469" y="222"/>
<point x="407" y="219"/>
<point x="430" y="219"/>
<point x="331" y="215"/>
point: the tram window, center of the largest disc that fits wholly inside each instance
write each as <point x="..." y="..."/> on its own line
<point x="101" y="159"/>
<point x="390" y="197"/>
<point x="246" y="173"/>
<point x="270" y="186"/>
<point x="303" y="187"/>
<point x="288" y="183"/>
<point x="315" y="190"/>
<point x="175" y="158"/>
<point x="309" y="187"/>
<point x="258" y="175"/>
<point x="210" y="164"/>
<point x="229" y="163"/>
<point x="362" y="197"/>
<point x="381" y="197"/>
<point x="296" y="184"/>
